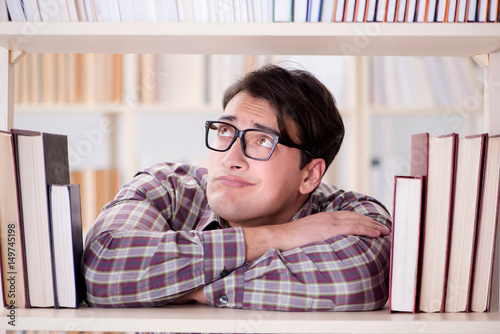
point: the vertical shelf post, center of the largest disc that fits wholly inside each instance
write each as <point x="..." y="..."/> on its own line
<point x="492" y="126"/>
<point x="6" y="90"/>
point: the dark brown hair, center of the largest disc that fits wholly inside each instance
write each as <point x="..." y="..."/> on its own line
<point x="299" y="97"/>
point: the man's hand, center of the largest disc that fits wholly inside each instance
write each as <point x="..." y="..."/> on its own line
<point x="313" y="228"/>
<point x="192" y="297"/>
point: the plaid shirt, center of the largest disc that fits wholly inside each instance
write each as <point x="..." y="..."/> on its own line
<point x="158" y="240"/>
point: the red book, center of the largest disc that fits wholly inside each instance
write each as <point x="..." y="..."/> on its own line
<point x="405" y="247"/>
<point x="469" y="172"/>
<point x="437" y="221"/>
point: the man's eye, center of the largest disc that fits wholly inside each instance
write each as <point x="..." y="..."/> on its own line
<point x="265" y="141"/>
<point x="224" y="131"/>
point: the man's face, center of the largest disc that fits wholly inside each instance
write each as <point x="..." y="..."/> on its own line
<point x="248" y="192"/>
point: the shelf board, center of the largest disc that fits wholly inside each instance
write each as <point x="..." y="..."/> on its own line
<point x="403" y="39"/>
<point x="200" y="318"/>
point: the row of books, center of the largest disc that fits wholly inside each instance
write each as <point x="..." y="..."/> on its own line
<point x="446" y="215"/>
<point x="40" y="222"/>
<point x="402" y="84"/>
<point x="92" y="79"/>
<point x="50" y="78"/>
<point x="250" y="10"/>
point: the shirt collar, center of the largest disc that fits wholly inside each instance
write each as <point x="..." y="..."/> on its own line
<point x="211" y="221"/>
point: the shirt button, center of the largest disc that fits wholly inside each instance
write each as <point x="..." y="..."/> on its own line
<point x="224" y="273"/>
<point x="223" y="299"/>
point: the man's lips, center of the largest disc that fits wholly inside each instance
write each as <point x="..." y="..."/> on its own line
<point x="233" y="181"/>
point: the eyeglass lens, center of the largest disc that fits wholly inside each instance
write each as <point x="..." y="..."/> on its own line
<point x="256" y="144"/>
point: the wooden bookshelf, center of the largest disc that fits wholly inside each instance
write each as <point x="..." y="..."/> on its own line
<point x="359" y="39"/>
<point x="202" y="319"/>
<point x="397" y="39"/>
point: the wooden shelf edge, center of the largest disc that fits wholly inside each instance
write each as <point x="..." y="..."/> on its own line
<point x="375" y="38"/>
<point x="199" y="318"/>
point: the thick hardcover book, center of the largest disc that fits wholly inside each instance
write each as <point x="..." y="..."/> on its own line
<point x="40" y="159"/>
<point x="405" y="248"/>
<point x="32" y="188"/>
<point x="487" y="228"/>
<point x="437" y="222"/>
<point x="13" y="280"/>
<point x="67" y="244"/>
<point x="469" y="172"/>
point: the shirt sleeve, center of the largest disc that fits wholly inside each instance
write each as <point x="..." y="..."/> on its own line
<point x="345" y="273"/>
<point x="133" y="258"/>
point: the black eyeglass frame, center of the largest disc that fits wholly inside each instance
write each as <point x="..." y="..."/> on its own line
<point x="240" y="133"/>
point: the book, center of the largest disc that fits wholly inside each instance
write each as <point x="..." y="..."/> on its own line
<point x="469" y="166"/>
<point x="314" y="11"/>
<point x="28" y="146"/>
<point x="16" y="11"/>
<point x="437" y="220"/>
<point x="487" y="228"/>
<point x="300" y="10"/>
<point x="12" y="270"/>
<point x="67" y="244"/>
<point x="4" y="13"/>
<point x="405" y="247"/>
<point x="41" y="159"/>
<point x="282" y="11"/>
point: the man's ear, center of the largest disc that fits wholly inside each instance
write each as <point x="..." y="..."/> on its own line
<point x="313" y="172"/>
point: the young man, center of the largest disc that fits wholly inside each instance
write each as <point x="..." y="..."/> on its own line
<point x="258" y="229"/>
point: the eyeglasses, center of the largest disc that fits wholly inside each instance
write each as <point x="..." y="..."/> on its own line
<point x="255" y="144"/>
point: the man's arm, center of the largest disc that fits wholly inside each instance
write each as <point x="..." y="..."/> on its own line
<point x="341" y="273"/>
<point x="134" y="258"/>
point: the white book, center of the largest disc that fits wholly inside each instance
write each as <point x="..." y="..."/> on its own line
<point x="420" y="11"/>
<point x="267" y="7"/>
<point x="226" y="12"/>
<point x="300" y="10"/>
<point x="350" y="7"/>
<point x="257" y="11"/>
<point x="172" y="14"/>
<point x="431" y="11"/>
<point x="314" y="11"/>
<point x="452" y="10"/>
<point x="371" y="11"/>
<point x="401" y="11"/>
<point x="72" y="10"/>
<point x="391" y="10"/>
<point x="482" y="11"/>
<point x="250" y="11"/>
<point x="100" y="10"/>
<point x="440" y="10"/>
<point x="380" y="13"/>
<point x="200" y="11"/>
<point x="244" y="10"/>
<point x="327" y="7"/>
<point x="162" y="8"/>
<point x="32" y="11"/>
<point x="16" y="10"/>
<point x="339" y="11"/>
<point x="411" y="10"/>
<point x="4" y="14"/>
<point x="63" y="11"/>
<point x="150" y="10"/>
<point x="493" y="11"/>
<point x="89" y="11"/>
<point x="127" y="12"/>
<point x="80" y="8"/>
<point x="472" y="10"/>
<point x="282" y="11"/>
<point x="461" y="10"/>
<point x="360" y="11"/>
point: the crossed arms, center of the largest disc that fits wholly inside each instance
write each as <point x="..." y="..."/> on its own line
<point x="149" y="248"/>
